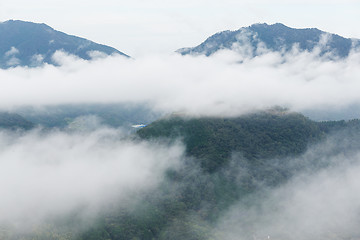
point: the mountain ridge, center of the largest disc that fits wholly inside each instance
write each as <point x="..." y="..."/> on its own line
<point x="24" y="43"/>
<point x="275" y="37"/>
<point x="13" y="121"/>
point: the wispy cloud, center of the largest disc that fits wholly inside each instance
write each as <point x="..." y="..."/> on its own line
<point x="319" y="205"/>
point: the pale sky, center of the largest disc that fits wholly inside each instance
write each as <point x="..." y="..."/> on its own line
<point x="140" y="27"/>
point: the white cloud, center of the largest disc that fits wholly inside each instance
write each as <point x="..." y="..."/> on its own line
<point x="37" y="59"/>
<point x="11" y="52"/>
<point x="13" y="61"/>
<point x="10" y="56"/>
<point x="54" y="173"/>
<point x="320" y="205"/>
<point x="96" y="55"/>
<point x="212" y="86"/>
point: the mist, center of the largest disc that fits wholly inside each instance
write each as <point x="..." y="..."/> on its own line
<point x="225" y="84"/>
<point x="51" y="172"/>
<point x="55" y="173"/>
<point x="319" y="201"/>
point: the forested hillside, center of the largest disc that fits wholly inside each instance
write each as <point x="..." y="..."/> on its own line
<point x="256" y="136"/>
<point x="14" y="121"/>
<point x="226" y="161"/>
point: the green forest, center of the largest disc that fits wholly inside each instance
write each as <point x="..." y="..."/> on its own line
<point x="226" y="160"/>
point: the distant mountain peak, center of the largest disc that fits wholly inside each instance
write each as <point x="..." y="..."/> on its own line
<point x="270" y="25"/>
<point x="25" y="43"/>
<point x="275" y="37"/>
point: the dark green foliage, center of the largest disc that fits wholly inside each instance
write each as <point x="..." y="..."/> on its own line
<point x="237" y="155"/>
<point x="256" y="136"/>
<point x="228" y="159"/>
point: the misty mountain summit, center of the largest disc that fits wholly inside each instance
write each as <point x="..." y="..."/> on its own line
<point x="258" y="38"/>
<point x="32" y="44"/>
<point x="13" y="121"/>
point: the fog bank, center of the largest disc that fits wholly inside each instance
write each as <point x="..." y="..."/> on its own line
<point x="216" y="85"/>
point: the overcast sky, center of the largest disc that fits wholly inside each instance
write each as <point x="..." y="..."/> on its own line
<point x="140" y="27"/>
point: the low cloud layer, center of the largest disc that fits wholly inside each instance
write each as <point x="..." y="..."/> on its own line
<point x="216" y="85"/>
<point x="54" y="173"/>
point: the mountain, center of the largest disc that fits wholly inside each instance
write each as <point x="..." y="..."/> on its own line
<point x="31" y="44"/>
<point x="14" y="121"/>
<point x="276" y="37"/>
<point x="257" y="136"/>
<point x="228" y="161"/>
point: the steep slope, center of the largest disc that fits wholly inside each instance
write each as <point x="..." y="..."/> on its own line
<point x="11" y="121"/>
<point x="276" y="37"/>
<point x="30" y="44"/>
